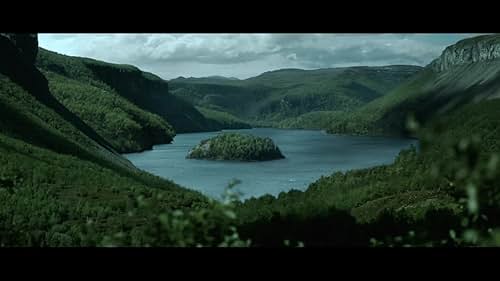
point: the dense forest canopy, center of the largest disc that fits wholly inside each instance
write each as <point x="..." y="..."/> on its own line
<point x="149" y="113"/>
<point x="64" y="121"/>
<point x="235" y="146"/>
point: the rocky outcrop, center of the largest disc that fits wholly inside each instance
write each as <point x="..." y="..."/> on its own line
<point x="467" y="51"/>
<point x="26" y="43"/>
<point x="16" y="55"/>
<point x="150" y="93"/>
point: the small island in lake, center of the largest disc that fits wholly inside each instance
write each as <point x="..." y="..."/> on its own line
<point x="235" y="146"/>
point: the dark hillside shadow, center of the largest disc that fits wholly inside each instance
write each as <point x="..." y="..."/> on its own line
<point x="23" y="72"/>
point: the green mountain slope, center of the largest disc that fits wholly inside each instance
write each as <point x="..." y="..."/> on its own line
<point x="61" y="184"/>
<point x="127" y="127"/>
<point x="144" y="90"/>
<point x="420" y="193"/>
<point x="455" y="79"/>
<point x="277" y="95"/>
<point x="446" y="194"/>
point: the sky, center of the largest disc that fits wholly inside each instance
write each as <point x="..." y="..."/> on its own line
<point x="246" y="55"/>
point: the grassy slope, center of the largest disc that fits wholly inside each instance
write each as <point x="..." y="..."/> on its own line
<point x="420" y="192"/>
<point x="124" y="125"/>
<point x="427" y="95"/>
<point x="53" y="179"/>
<point x="59" y="185"/>
<point x="144" y="90"/>
<point x="364" y="119"/>
<point x="277" y="95"/>
<point x="227" y="120"/>
<point x="414" y="193"/>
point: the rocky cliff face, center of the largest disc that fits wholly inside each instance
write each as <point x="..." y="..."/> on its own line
<point x="467" y="51"/>
<point x="17" y="54"/>
<point x="129" y="81"/>
<point x="26" y="43"/>
<point x="151" y="93"/>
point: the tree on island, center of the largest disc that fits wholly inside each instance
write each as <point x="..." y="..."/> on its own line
<point x="235" y="146"/>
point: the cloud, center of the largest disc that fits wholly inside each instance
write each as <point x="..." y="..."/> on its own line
<point x="244" y="55"/>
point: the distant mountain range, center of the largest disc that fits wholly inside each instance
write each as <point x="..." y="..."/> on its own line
<point x="208" y="78"/>
<point x="65" y="120"/>
<point x="355" y="100"/>
<point x="274" y="96"/>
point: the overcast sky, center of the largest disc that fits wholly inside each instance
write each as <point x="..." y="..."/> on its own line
<point x="247" y="55"/>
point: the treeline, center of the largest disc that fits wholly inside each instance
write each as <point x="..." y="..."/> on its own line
<point x="423" y="199"/>
<point x="144" y="90"/>
<point x="224" y="119"/>
<point x="234" y="146"/>
<point x="287" y="94"/>
<point x="59" y="188"/>
<point x="444" y="194"/>
<point x="127" y="127"/>
<point x="61" y="184"/>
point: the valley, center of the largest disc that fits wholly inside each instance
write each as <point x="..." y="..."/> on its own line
<point x="93" y="153"/>
<point x="272" y="98"/>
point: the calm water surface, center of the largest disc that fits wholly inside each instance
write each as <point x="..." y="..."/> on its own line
<point x="309" y="155"/>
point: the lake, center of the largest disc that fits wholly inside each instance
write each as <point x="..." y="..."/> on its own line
<point x="309" y="155"/>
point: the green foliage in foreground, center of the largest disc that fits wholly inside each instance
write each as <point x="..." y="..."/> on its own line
<point x="234" y="146"/>
<point x="59" y="188"/>
<point x="447" y="194"/>
<point x="212" y="226"/>
<point x="48" y="199"/>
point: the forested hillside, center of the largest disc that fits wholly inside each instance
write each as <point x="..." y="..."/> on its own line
<point x="445" y="193"/>
<point x="61" y="184"/>
<point x="127" y="127"/>
<point x="136" y="108"/>
<point x="274" y="96"/>
<point x="466" y="72"/>
<point x="64" y="120"/>
<point x="234" y="146"/>
<point x="419" y="200"/>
